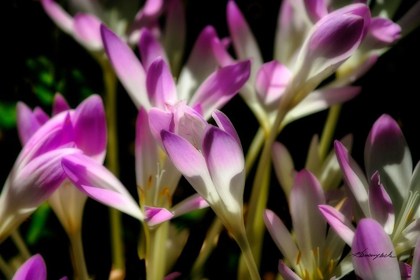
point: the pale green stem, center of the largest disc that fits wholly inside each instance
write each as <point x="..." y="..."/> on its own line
<point x="328" y="132"/>
<point x="208" y="246"/>
<point x="79" y="257"/>
<point x="20" y="244"/>
<point x="254" y="149"/>
<point x="249" y="259"/>
<point x="5" y="269"/>
<point x="110" y="84"/>
<point x="156" y="251"/>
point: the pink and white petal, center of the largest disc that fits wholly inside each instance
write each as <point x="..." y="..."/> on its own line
<point x="316" y="9"/>
<point x="87" y="31"/>
<point x="127" y="67"/>
<point x="415" y="272"/>
<point x="155" y="215"/>
<point x="271" y="80"/>
<point x="160" y="84"/>
<point x="226" y="164"/>
<point x="309" y="224"/>
<point x="221" y="86"/>
<point x="380" y="204"/>
<point x="200" y="64"/>
<point x="394" y="164"/>
<point x="60" y="17"/>
<point x="175" y="34"/>
<point x="146" y="153"/>
<point x="353" y="177"/>
<point x="159" y="120"/>
<point x="382" y="33"/>
<point x="286" y="272"/>
<point x="405" y="271"/>
<point x="150" y="49"/>
<point x="281" y="237"/>
<point x="243" y="40"/>
<point x="284" y="167"/>
<point x="100" y="184"/>
<point x="191" y="164"/>
<point x="189" y="204"/>
<point x="320" y="100"/>
<point x="225" y="124"/>
<point x="90" y="127"/>
<point x="33" y="269"/>
<point x="370" y="238"/>
<point x="221" y="53"/>
<point x="40" y="115"/>
<point x="172" y="276"/>
<point x="27" y="123"/>
<point x="339" y="222"/>
<point x="60" y="104"/>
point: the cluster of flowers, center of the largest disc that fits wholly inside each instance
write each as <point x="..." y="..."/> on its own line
<point x="374" y="213"/>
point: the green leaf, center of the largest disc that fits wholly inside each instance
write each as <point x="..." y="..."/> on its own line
<point x="8" y="115"/>
<point x="45" y="95"/>
<point x="37" y="226"/>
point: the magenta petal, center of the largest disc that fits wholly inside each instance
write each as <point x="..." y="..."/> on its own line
<point x="150" y="49"/>
<point x="58" y="15"/>
<point x="40" y="115"/>
<point x="339" y="222"/>
<point x="272" y="78"/>
<point x="370" y="238"/>
<point x="172" y="276"/>
<point x="380" y="204"/>
<point x="221" y="53"/>
<point x="316" y="9"/>
<point x="155" y="215"/>
<point x="386" y="151"/>
<point x="60" y="104"/>
<point x="127" y="67"/>
<point x="33" y="269"/>
<point x="27" y="123"/>
<point x="189" y="204"/>
<point x="286" y="272"/>
<point x="90" y="127"/>
<point x="405" y="271"/>
<point x="221" y="86"/>
<point x="226" y="125"/>
<point x="160" y="84"/>
<point x="87" y="31"/>
<point x="159" y="120"/>
<point x="382" y="33"/>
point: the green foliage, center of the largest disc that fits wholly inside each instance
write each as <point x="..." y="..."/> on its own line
<point x="7" y="115"/>
<point x="37" y="227"/>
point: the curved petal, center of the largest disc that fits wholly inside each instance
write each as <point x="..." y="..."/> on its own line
<point x="386" y="151"/>
<point x="159" y="120"/>
<point x="27" y="123"/>
<point x="127" y="67"/>
<point x="33" y="269"/>
<point x="60" y="104"/>
<point x="286" y="272"/>
<point x="100" y="184"/>
<point x="226" y="125"/>
<point x="339" y="222"/>
<point x="189" y="204"/>
<point x="155" y="215"/>
<point x="316" y="9"/>
<point x="150" y="49"/>
<point x="160" y="84"/>
<point x="221" y="86"/>
<point x="90" y="127"/>
<point x="382" y="33"/>
<point x="58" y="15"/>
<point x="87" y="31"/>
<point x="373" y="253"/>
<point x="284" y="167"/>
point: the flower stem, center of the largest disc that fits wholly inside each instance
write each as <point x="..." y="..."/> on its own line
<point x="5" y="269"/>
<point x="79" y="257"/>
<point x="249" y="259"/>
<point x="110" y="84"/>
<point x="328" y="132"/>
<point x="254" y="149"/>
<point x="20" y="244"/>
<point x="156" y="250"/>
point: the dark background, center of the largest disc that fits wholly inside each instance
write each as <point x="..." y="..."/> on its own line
<point x="391" y="86"/>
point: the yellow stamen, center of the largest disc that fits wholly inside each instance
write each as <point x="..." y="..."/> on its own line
<point x="165" y="192"/>
<point x="298" y="258"/>
<point x="307" y="277"/>
<point x="409" y="216"/>
<point x="319" y="273"/>
<point x="142" y="195"/>
<point x="327" y="254"/>
<point x="330" y="269"/>
<point x="149" y="183"/>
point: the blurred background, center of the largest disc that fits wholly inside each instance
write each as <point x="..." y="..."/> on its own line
<point x="40" y="60"/>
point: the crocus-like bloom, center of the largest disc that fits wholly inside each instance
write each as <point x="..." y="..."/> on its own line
<point x="392" y="195"/>
<point x="33" y="269"/>
<point x="37" y="172"/>
<point x="374" y="256"/>
<point x="121" y="16"/>
<point x="150" y="83"/>
<point x="89" y="133"/>
<point x="316" y="253"/>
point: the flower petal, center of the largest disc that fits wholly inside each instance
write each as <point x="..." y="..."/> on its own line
<point x="370" y="238"/>
<point x="159" y="120"/>
<point x="127" y="67"/>
<point x="221" y="86"/>
<point x="386" y="151"/>
<point x="87" y="31"/>
<point x="226" y="164"/>
<point x="160" y="84"/>
<point x="281" y="237"/>
<point x="189" y="204"/>
<point x="339" y="222"/>
<point x="150" y="49"/>
<point x="33" y="269"/>
<point x="90" y="127"/>
<point x="382" y="33"/>
<point x="155" y="215"/>
<point x="380" y="204"/>
<point x="225" y="124"/>
<point x="60" y="104"/>
<point x="316" y="9"/>
<point x="27" y="123"/>
<point x="100" y="184"/>
<point x="286" y="272"/>
<point x="284" y="167"/>
<point x="58" y="15"/>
